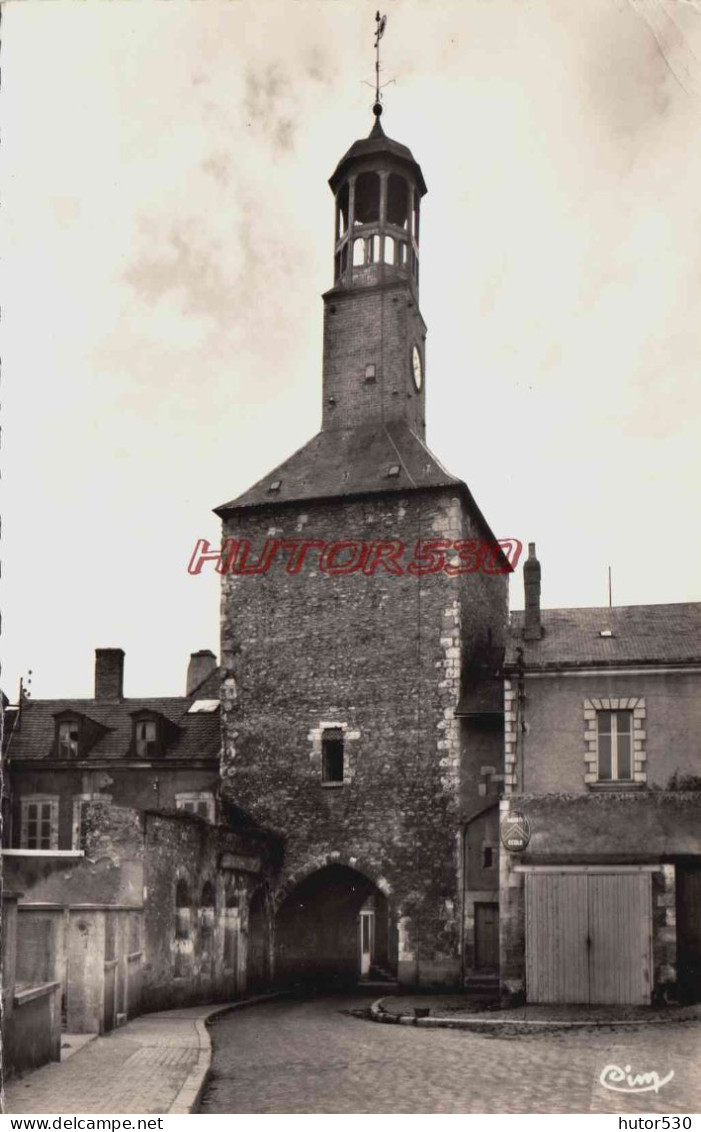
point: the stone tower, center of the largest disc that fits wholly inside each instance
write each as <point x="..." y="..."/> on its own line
<point x="350" y="623"/>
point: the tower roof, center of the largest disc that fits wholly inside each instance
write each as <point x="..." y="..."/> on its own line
<point x="377" y="144"/>
<point x="355" y="463"/>
<point x="349" y="462"/>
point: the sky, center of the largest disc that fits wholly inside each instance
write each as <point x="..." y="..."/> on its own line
<point x="168" y="232"/>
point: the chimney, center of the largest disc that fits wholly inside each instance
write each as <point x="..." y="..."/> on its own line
<point x="109" y="674"/>
<point x="533" y="630"/>
<point x="201" y="665"/>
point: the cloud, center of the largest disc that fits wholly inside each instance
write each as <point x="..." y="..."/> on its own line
<point x="266" y="104"/>
<point x="187" y="265"/>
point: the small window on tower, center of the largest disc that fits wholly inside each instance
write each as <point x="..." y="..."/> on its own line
<point x="389" y="250"/>
<point x="342" y="211"/>
<point x="358" y="252"/>
<point x="332" y="756"/>
<point x="370" y="372"/>
<point x="402" y="254"/>
<point x="398" y="201"/>
<point x="367" y="198"/>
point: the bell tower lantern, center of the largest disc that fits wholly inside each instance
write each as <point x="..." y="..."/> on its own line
<point x="374" y="335"/>
<point x="378" y="188"/>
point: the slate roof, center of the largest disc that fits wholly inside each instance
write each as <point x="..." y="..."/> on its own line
<point x="349" y="462"/>
<point x="642" y="634"/>
<point x="376" y="143"/>
<point x="198" y="737"/>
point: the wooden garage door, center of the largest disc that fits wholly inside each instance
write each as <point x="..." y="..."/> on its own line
<point x="588" y="937"/>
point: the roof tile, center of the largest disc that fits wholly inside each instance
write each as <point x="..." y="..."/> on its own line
<point x="642" y="634"/>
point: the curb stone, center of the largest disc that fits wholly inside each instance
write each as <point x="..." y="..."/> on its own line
<point x="512" y="1025"/>
<point x="190" y="1092"/>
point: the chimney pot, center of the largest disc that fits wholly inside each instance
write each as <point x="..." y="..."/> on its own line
<point x="201" y="665"/>
<point x="533" y="629"/>
<point x="109" y="674"/>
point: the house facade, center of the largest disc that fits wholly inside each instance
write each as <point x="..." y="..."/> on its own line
<point x="600" y="877"/>
<point x="160" y="754"/>
<point x="127" y="888"/>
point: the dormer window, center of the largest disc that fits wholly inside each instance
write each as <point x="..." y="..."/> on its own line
<point x="152" y="734"/>
<point x="146" y="738"/>
<point x="68" y="738"/>
<point x="76" y="735"/>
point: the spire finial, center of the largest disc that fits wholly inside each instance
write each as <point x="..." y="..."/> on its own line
<point x="380" y="25"/>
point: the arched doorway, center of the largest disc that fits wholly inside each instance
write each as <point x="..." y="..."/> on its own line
<point x="333" y="928"/>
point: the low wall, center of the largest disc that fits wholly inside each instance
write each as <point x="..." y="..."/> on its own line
<point x="33" y="1030"/>
<point x="153" y="916"/>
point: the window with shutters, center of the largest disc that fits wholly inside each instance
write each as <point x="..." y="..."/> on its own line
<point x="145" y="738"/>
<point x="39" y="822"/>
<point x="68" y="738"/>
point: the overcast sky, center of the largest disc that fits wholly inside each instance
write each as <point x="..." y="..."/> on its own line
<point x="168" y="233"/>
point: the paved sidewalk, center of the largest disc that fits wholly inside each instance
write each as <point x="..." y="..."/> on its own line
<point x="468" y="1012"/>
<point x="155" y="1064"/>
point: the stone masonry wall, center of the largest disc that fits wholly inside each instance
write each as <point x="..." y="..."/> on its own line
<point x="379" y="657"/>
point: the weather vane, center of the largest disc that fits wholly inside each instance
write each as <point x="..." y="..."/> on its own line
<point x="380" y="25"/>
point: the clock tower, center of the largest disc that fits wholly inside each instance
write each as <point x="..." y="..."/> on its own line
<point x="345" y="678"/>
<point x="374" y="335"/>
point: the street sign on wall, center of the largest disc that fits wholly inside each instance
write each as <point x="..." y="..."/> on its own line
<point x="515" y="831"/>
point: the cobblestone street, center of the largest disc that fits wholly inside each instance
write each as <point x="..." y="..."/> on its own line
<point x="310" y="1057"/>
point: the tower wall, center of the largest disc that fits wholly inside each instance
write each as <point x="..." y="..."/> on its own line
<point x="377" y="326"/>
<point x="381" y="658"/>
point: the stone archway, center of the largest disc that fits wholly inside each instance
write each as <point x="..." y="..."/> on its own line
<point x="333" y="927"/>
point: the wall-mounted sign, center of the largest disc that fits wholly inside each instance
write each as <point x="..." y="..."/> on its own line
<point x="515" y="831"/>
<point x="239" y="864"/>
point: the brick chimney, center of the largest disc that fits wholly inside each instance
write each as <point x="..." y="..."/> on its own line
<point x="533" y="629"/>
<point x="201" y="665"/>
<point x="109" y="674"/>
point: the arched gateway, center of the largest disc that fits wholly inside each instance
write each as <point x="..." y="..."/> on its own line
<point x="334" y="927"/>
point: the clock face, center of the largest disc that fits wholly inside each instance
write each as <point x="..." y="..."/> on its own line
<point x="417" y="369"/>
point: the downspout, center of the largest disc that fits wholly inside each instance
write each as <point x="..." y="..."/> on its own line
<point x="463" y="898"/>
<point x="520" y="722"/>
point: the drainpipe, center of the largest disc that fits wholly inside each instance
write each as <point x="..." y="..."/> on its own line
<point x="520" y="722"/>
<point x="462" y="838"/>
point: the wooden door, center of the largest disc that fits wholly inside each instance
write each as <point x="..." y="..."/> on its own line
<point x="556" y="937"/>
<point x="588" y="937"/>
<point x="620" y="938"/>
<point x="367" y="933"/>
<point x="689" y="932"/>
<point x="487" y="937"/>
